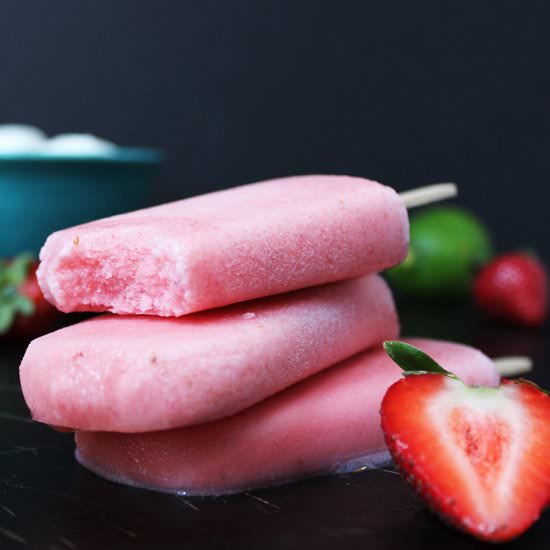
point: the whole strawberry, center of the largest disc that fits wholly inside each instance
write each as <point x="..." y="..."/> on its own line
<point x="513" y="287"/>
<point x="24" y="312"/>
<point x="478" y="456"/>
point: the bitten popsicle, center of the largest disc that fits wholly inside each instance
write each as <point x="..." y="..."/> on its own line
<point x="137" y="374"/>
<point x="328" y="423"/>
<point x="226" y="247"/>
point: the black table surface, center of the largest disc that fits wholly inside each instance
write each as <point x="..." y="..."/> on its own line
<point x="49" y="501"/>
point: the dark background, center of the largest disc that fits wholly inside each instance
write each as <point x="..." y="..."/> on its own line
<point x="242" y="90"/>
<point x="236" y="91"/>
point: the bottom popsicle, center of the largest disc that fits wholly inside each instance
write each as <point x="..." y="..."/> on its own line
<point x="328" y="423"/>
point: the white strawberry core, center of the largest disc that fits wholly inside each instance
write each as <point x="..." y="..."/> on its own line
<point x="482" y="431"/>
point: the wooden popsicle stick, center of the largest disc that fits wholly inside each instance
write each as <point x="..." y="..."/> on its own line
<point x="513" y="365"/>
<point x="428" y="194"/>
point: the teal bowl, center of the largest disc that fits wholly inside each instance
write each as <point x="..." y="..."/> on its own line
<point x="42" y="193"/>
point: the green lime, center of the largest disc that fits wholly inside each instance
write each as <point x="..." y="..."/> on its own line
<point x="448" y="245"/>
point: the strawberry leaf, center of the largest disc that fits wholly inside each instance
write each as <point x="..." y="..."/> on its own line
<point x="15" y="272"/>
<point x="7" y="315"/>
<point x="412" y="360"/>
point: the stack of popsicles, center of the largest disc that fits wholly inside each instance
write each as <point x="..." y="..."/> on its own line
<point x="242" y="348"/>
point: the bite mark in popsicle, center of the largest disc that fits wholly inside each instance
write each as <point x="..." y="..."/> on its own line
<point x="226" y="247"/>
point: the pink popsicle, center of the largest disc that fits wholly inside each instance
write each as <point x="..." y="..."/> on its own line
<point x="226" y="247"/>
<point x="327" y="423"/>
<point x="136" y="374"/>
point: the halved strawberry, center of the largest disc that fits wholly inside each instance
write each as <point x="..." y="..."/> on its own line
<point x="478" y="456"/>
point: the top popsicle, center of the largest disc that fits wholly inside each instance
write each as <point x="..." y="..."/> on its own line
<point x="226" y="247"/>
